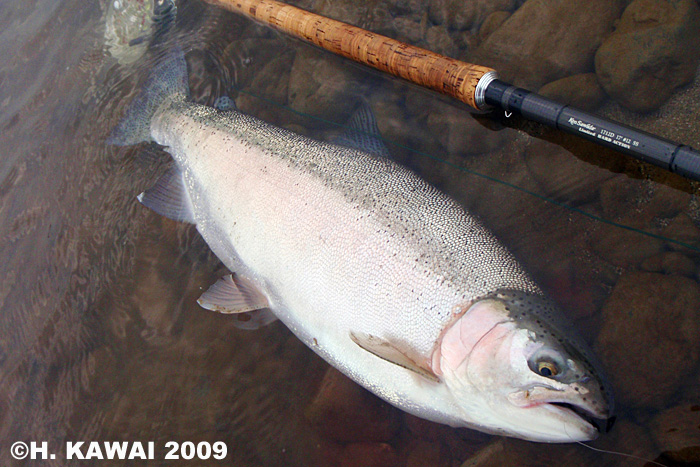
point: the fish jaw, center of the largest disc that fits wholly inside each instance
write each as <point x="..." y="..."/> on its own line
<point x="554" y="416"/>
<point x="483" y="359"/>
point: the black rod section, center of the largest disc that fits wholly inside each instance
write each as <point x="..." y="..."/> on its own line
<point x="675" y="157"/>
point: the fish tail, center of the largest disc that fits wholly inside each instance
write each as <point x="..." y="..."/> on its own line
<point x="167" y="79"/>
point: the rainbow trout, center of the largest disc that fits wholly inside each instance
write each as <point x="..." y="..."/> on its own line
<point x="383" y="276"/>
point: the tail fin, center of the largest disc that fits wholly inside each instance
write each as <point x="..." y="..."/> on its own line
<point x="167" y="79"/>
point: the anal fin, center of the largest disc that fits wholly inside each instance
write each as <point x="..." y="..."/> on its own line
<point x="254" y="319"/>
<point x="393" y="353"/>
<point x="233" y="294"/>
<point x="169" y="197"/>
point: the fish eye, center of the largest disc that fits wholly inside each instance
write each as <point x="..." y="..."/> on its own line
<point x="547" y="369"/>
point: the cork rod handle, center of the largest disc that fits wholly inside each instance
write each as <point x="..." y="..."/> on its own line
<point x="423" y="67"/>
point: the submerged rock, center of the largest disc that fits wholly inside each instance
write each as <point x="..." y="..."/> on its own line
<point x="563" y="176"/>
<point x="663" y="202"/>
<point x="683" y="229"/>
<point x="355" y="13"/>
<point x="461" y="15"/>
<point x="410" y="29"/>
<point x="653" y="51"/>
<point x="128" y="28"/>
<point x="460" y="133"/>
<point x="248" y="57"/>
<point x="671" y="262"/>
<point x="626" y="437"/>
<point x="628" y="200"/>
<point x="547" y="40"/>
<point x="652" y="208"/>
<point x="678" y="430"/>
<point x="347" y="413"/>
<point x="370" y="455"/>
<point x="510" y="452"/>
<point x="438" y="40"/>
<point x="492" y="22"/>
<point x="320" y="85"/>
<point x="619" y="196"/>
<point x="426" y="453"/>
<point x="272" y="84"/>
<point x="649" y="337"/>
<point x="425" y="429"/>
<point x="494" y="454"/>
<point x="582" y="91"/>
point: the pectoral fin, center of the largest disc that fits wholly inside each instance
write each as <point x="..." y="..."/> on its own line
<point x="169" y="198"/>
<point x="394" y="353"/>
<point x="233" y="294"/>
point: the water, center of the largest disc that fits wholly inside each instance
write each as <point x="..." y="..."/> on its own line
<point x="100" y="334"/>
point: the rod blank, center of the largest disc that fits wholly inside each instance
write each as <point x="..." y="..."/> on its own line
<point x="674" y="157"/>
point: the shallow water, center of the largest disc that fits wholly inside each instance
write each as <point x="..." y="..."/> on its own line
<point x="100" y="334"/>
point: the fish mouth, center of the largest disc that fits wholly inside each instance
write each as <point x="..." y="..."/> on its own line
<point x="602" y="425"/>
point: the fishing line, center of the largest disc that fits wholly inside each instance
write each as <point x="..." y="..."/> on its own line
<point x="481" y="175"/>
<point x="632" y="456"/>
<point x="605" y="451"/>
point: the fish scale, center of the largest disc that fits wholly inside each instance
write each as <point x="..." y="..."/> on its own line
<point x="455" y="244"/>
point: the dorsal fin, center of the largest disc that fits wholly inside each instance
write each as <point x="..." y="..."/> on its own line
<point x="225" y="103"/>
<point x="169" y="198"/>
<point x="362" y="133"/>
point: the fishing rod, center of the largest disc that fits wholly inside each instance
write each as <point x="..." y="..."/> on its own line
<point x="475" y="85"/>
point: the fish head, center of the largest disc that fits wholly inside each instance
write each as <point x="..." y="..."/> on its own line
<point x="514" y="359"/>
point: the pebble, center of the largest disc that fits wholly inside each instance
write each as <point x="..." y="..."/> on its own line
<point x="648" y="341"/>
<point x="581" y="90"/>
<point x="460" y="133"/>
<point x="427" y="453"/>
<point x="628" y="437"/>
<point x="513" y="452"/>
<point x="563" y="176"/>
<point x="273" y="85"/>
<point x="370" y="455"/>
<point x="321" y="85"/>
<point x="345" y="412"/>
<point x="460" y="15"/>
<point x="683" y="229"/>
<point x="438" y="40"/>
<point x="613" y="243"/>
<point x="619" y="196"/>
<point x="547" y="40"/>
<point x="492" y="22"/>
<point x="677" y="429"/>
<point x="671" y="262"/>
<point x="659" y="39"/>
